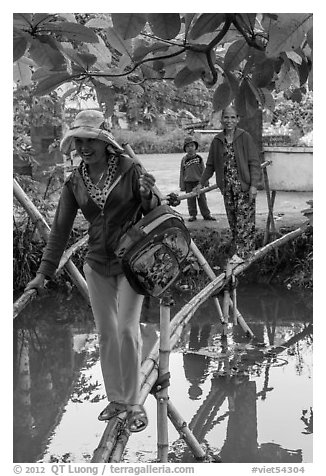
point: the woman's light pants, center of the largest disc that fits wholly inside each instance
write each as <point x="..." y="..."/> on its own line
<point x="116" y="308"/>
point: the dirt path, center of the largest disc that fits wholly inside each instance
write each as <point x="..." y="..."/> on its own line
<point x="287" y="210"/>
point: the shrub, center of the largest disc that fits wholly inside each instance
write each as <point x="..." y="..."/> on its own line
<point x="149" y="142"/>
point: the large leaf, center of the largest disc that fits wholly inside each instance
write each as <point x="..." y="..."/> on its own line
<point x="188" y="20"/>
<point x="164" y="25"/>
<point x="233" y="82"/>
<point x="206" y="23"/>
<point x="310" y="37"/>
<point x="247" y="21"/>
<point x="83" y="60"/>
<point x="266" y="99"/>
<point x="71" y="31"/>
<point x="288" y="76"/>
<point x="51" y="82"/>
<point x="263" y="73"/>
<point x="149" y="72"/>
<point x="22" y="20"/>
<point x="100" y="23"/>
<point x="44" y="52"/>
<point x="128" y="25"/>
<point x="197" y="61"/>
<point x="117" y="42"/>
<point x="67" y="16"/>
<point x="246" y="102"/>
<point x="41" y="73"/>
<point x="22" y="71"/>
<point x="222" y="96"/>
<point x="40" y="18"/>
<point x="295" y="57"/>
<point x="311" y="80"/>
<point x="20" y="46"/>
<point x="303" y="70"/>
<point x="102" y="53"/>
<point x="236" y="53"/>
<point x="288" y="32"/>
<point x="105" y="96"/>
<point x="185" y="77"/>
<point x="263" y="96"/>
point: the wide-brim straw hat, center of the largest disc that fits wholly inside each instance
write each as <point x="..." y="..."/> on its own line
<point x="89" y="124"/>
<point x="189" y="140"/>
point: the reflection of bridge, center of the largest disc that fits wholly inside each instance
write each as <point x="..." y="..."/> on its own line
<point x="241" y="395"/>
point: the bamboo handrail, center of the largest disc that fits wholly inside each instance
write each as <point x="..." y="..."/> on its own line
<point x="44" y="229"/>
<point x="184" y="196"/>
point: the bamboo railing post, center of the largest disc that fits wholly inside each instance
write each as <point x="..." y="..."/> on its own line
<point x="183" y="429"/>
<point x="226" y="298"/>
<point x="270" y="203"/>
<point x="234" y="299"/>
<point x="163" y="369"/>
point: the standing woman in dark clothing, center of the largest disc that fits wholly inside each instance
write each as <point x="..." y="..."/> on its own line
<point x="234" y="158"/>
<point x="110" y="190"/>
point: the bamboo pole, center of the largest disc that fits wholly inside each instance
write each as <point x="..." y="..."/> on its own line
<point x="226" y="298"/>
<point x="210" y="273"/>
<point x="183" y="429"/>
<point x="162" y="395"/>
<point x="27" y="296"/>
<point x="36" y="217"/>
<point x="184" y="196"/>
<point x="23" y="300"/>
<point x="44" y="230"/>
<point x="108" y="440"/>
<point x="234" y="299"/>
<point x="270" y="204"/>
<point x="271" y="246"/>
<point x="240" y="320"/>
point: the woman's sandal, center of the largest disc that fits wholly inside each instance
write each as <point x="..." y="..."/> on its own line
<point x="137" y="418"/>
<point x="112" y="410"/>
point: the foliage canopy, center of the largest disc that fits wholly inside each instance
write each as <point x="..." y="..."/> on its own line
<point x="243" y="57"/>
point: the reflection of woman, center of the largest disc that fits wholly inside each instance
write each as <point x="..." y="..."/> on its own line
<point x="108" y="187"/>
<point x="235" y="160"/>
<point x="196" y="365"/>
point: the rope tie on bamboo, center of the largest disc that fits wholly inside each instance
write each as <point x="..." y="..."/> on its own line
<point x="163" y="381"/>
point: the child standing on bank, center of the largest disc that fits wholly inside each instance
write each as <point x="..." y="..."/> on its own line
<point x="191" y="169"/>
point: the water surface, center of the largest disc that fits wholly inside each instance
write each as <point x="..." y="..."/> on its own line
<point x="245" y="402"/>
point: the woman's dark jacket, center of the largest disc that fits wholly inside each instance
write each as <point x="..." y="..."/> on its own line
<point x="105" y="226"/>
<point x="246" y="155"/>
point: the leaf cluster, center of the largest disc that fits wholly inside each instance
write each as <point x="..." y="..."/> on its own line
<point x="243" y="57"/>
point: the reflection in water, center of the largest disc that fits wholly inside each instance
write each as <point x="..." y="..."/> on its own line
<point x="231" y="391"/>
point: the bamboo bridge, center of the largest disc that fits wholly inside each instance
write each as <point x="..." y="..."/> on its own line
<point x="156" y="365"/>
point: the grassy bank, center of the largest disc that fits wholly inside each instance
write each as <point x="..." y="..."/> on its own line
<point x="150" y="142"/>
<point x="291" y="265"/>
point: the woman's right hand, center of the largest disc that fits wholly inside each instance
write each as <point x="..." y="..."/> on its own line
<point x="37" y="283"/>
<point x="197" y="189"/>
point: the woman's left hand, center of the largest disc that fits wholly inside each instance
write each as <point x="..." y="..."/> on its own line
<point x="252" y="193"/>
<point x="146" y="184"/>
